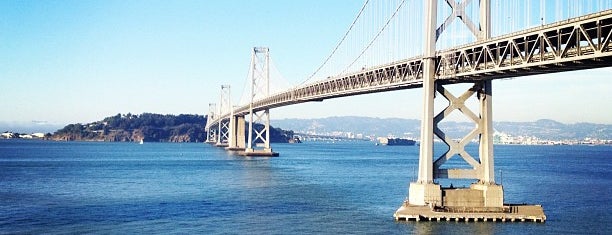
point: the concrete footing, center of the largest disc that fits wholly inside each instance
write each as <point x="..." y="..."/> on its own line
<point x="479" y="202"/>
<point x="509" y="212"/>
<point x="259" y="153"/>
<point x="247" y="152"/>
<point x="236" y="149"/>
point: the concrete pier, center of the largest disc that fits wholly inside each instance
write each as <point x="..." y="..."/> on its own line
<point x="478" y="202"/>
<point x="235" y="149"/>
<point x="259" y="153"/>
<point x="221" y="145"/>
<point x="509" y="212"/>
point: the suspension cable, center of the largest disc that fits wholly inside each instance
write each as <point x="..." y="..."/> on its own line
<point x="339" y="43"/>
<point x="246" y="84"/>
<point x="375" y="37"/>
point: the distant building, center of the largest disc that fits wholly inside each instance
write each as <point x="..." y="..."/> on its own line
<point x="38" y="135"/>
<point x="8" y="135"/>
<point x="25" y="136"/>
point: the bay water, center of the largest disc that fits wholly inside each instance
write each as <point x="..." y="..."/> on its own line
<point x="312" y="188"/>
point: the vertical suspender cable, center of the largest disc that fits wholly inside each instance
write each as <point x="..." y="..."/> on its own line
<point x="371" y="42"/>
<point x="339" y="43"/>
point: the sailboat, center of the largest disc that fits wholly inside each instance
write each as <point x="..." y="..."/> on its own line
<point x="142" y="141"/>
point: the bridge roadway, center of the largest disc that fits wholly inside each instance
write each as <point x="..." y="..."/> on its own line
<point x="573" y="44"/>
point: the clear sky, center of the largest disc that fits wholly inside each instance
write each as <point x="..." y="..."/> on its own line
<point x="80" y="61"/>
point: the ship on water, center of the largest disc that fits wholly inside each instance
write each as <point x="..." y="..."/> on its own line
<point x="395" y="141"/>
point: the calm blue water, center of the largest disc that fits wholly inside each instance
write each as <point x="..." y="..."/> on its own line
<point x="323" y="188"/>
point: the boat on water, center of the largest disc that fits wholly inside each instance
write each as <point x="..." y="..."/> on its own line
<point x="295" y="140"/>
<point x="396" y="141"/>
<point x="141" y="141"/>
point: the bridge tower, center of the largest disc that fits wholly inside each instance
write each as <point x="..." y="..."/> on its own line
<point x="210" y="132"/>
<point x="484" y="198"/>
<point x="485" y="194"/>
<point x="260" y="87"/>
<point x="223" y="126"/>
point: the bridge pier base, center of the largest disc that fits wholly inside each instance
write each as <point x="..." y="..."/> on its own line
<point x="509" y="212"/>
<point x="425" y="194"/>
<point x="259" y="153"/>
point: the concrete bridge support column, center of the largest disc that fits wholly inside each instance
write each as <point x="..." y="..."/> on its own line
<point x="424" y="191"/>
<point x="236" y="134"/>
<point x="240" y="132"/>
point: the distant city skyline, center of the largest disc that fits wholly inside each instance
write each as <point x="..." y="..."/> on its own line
<point x="80" y="61"/>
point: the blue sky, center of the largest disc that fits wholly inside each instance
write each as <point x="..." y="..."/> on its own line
<point x="79" y="61"/>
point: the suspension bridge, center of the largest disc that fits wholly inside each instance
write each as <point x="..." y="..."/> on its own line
<point x="394" y="45"/>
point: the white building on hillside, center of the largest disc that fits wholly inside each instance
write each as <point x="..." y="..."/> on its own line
<point x="8" y="135"/>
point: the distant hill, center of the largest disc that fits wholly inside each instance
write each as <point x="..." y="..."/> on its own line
<point x="353" y="124"/>
<point x="553" y="130"/>
<point x="150" y="127"/>
<point x="545" y="129"/>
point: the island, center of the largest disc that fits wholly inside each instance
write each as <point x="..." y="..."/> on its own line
<point x="149" y="127"/>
